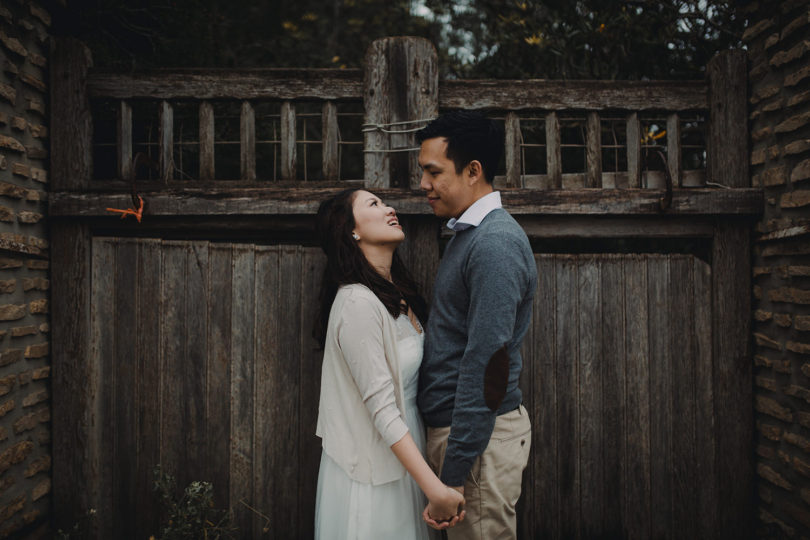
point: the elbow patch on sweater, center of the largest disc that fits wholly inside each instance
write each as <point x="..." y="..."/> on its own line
<point x="496" y="377"/>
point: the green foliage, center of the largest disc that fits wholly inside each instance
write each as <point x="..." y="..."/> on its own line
<point x="192" y="516"/>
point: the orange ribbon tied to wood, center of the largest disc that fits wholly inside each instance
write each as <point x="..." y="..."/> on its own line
<point x="130" y="211"/>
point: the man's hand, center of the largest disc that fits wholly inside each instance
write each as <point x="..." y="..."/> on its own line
<point x="446" y="510"/>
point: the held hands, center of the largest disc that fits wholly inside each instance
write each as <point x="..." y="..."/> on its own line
<point x="445" y="509"/>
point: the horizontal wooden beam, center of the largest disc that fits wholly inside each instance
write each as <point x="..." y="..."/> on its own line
<point x="227" y="84"/>
<point x="222" y="201"/>
<point x="586" y="95"/>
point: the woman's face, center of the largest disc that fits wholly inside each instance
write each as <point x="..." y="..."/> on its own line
<point x="375" y="223"/>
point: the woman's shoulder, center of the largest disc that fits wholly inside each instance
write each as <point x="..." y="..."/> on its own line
<point x="357" y="291"/>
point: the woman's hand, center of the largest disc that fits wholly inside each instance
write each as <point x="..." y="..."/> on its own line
<point x="445" y="509"/>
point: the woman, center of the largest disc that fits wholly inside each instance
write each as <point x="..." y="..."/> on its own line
<point x="372" y="465"/>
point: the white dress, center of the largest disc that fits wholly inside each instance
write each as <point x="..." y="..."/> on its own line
<point x="349" y="510"/>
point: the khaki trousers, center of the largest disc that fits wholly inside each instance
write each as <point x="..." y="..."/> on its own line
<point x="493" y="485"/>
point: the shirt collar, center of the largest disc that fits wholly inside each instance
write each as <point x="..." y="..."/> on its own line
<point x="475" y="214"/>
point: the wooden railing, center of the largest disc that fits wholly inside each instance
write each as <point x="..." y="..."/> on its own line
<point x="560" y="135"/>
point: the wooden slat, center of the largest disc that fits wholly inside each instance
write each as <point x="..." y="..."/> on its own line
<point x="218" y="366"/>
<point x="612" y="227"/>
<point x="288" y="147"/>
<point x="103" y="351"/>
<point x="568" y="416"/>
<point x="313" y="262"/>
<point x="326" y="84"/>
<point x="684" y="358"/>
<point x="148" y="344"/>
<point x="636" y="455"/>
<point x="593" y="151"/>
<point x="285" y="201"/>
<point x="206" y="140"/>
<point x="195" y="380"/>
<point x="674" y="149"/>
<point x="242" y="389"/>
<point x="661" y="383"/>
<point x="124" y="368"/>
<point x="557" y="95"/>
<point x="331" y="156"/>
<point x="589" y="392"/>
<point x="513" y="151"/>
<point x="553" y="153"/>
<point x="705" y="444"/>
<point x="166" y="142"/>
<point x="733" y="379"/>
<point x="420" y="250"/>
<point x="76" y="375"/>
<point x="544" y="416"/>
<point x="71" y="130"/>
<point x="124" y="139"/>
<point x="727" y="142"/>
<point x="633" y="151"/>
<point x="614" y="412"/>
<point x="247" y="142"/>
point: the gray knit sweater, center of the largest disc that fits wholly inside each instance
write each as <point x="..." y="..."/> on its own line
<point x="482" y="302"/>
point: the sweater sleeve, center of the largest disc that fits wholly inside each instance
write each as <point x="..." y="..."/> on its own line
<point x="496" y="276"/>
<point x="360" y="336"/>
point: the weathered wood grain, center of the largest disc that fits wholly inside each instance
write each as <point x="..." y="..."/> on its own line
<point x="166" y="141"/>
<point x="124" y="139"/>
<point x="71" y="122"/>
<point x="247" y="141"/>
<point x="556" y="95"/>
<point x="674" y="149"/>
<point x="284" y="84"/>
<point x="727" y="141"/>
<point x="553" y="150"/>
<point x="206" y="141"/>
<point x="288" y="148"/>
<point x="329" y="135"/>
<point x="633" y="151"/>
<point x="513" y="139"/>
<point x="612" y="227"/>
<point x="219" y="201"/>
<point x="593" y="151"/>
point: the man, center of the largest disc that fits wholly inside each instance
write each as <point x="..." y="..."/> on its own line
<point x="478" y="432"/>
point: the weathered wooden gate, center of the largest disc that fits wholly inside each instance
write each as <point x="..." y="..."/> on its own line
<point x="184" y="340"/>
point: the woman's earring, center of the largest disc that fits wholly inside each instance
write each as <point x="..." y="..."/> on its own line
<point x="355" y="236"/>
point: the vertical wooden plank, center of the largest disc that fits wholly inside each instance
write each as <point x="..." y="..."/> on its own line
<point x="243" y="324"/>
<point x="166" y="141"/>
<point x="727" y="141"/>
<point x="71" y="122"/>
<point x="633" y="151"/>
<point x="685" y="481"/>
<point x="247" y="141"/>
<point x="218" y="367"/>
<point x="195" y="379"/>
<point x="288" y="147"/>
<point x="173" y="445"/>
<point x="124" y="139"/>
<point x="674" y="148"/>
<point x="124" y="382"/>
<point x="589" y="390"/>
<point x="636" y="448"/>
<point x="76" y="375"/>
<point x="331" y="161"/>
<point x="525" y="508"/>
<point x="593" y="151"/>
<point x="544" y="415"/>
<point x="401" y="84"/>
<point x="148" y="346"/>
<point x="313" y="263"/>
<point x="660" y="366"/>
<point x="553" y="150"/>
<point x="733" y="382"/>
<point x="513" y="140"/>
<point x="103" y="310"/>
<point x="420" y="250"/>
<point x="206" y="140"/>
<point x="613" y="357"/>
<point x="567" y="361"/>
<point x="705" y="448"/>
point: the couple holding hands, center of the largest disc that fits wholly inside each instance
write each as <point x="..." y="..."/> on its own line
<point x="389" y="370"/>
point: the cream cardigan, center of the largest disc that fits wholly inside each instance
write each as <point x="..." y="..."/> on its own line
<point x="360" y="410"/>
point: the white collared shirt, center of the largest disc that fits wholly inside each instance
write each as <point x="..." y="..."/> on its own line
<point x="475" y="214"/>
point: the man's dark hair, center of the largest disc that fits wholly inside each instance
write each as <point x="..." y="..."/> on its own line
<point x="470" y="136"/>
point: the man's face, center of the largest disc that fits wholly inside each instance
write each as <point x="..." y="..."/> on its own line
<point x="449" y="195"/>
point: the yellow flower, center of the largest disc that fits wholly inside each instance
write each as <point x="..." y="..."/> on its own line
<point x="534" y="39"/>
<point x="601" y="28"/>
<point x="335" y="59"/>
<point x="289" y="26"/>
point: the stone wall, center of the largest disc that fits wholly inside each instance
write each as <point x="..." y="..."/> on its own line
<point x="778" y="39"/>
<point x="25" y="459"/>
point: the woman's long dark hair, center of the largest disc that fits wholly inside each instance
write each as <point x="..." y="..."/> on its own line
<point x="346" y="263"/>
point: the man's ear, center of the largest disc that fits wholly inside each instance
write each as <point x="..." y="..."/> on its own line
<point x="475" y="172"/>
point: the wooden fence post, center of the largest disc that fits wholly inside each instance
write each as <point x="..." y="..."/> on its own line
<point x="71" y="122"/>
<point x="401" y="84"/>
<point x="727" y="144"/>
